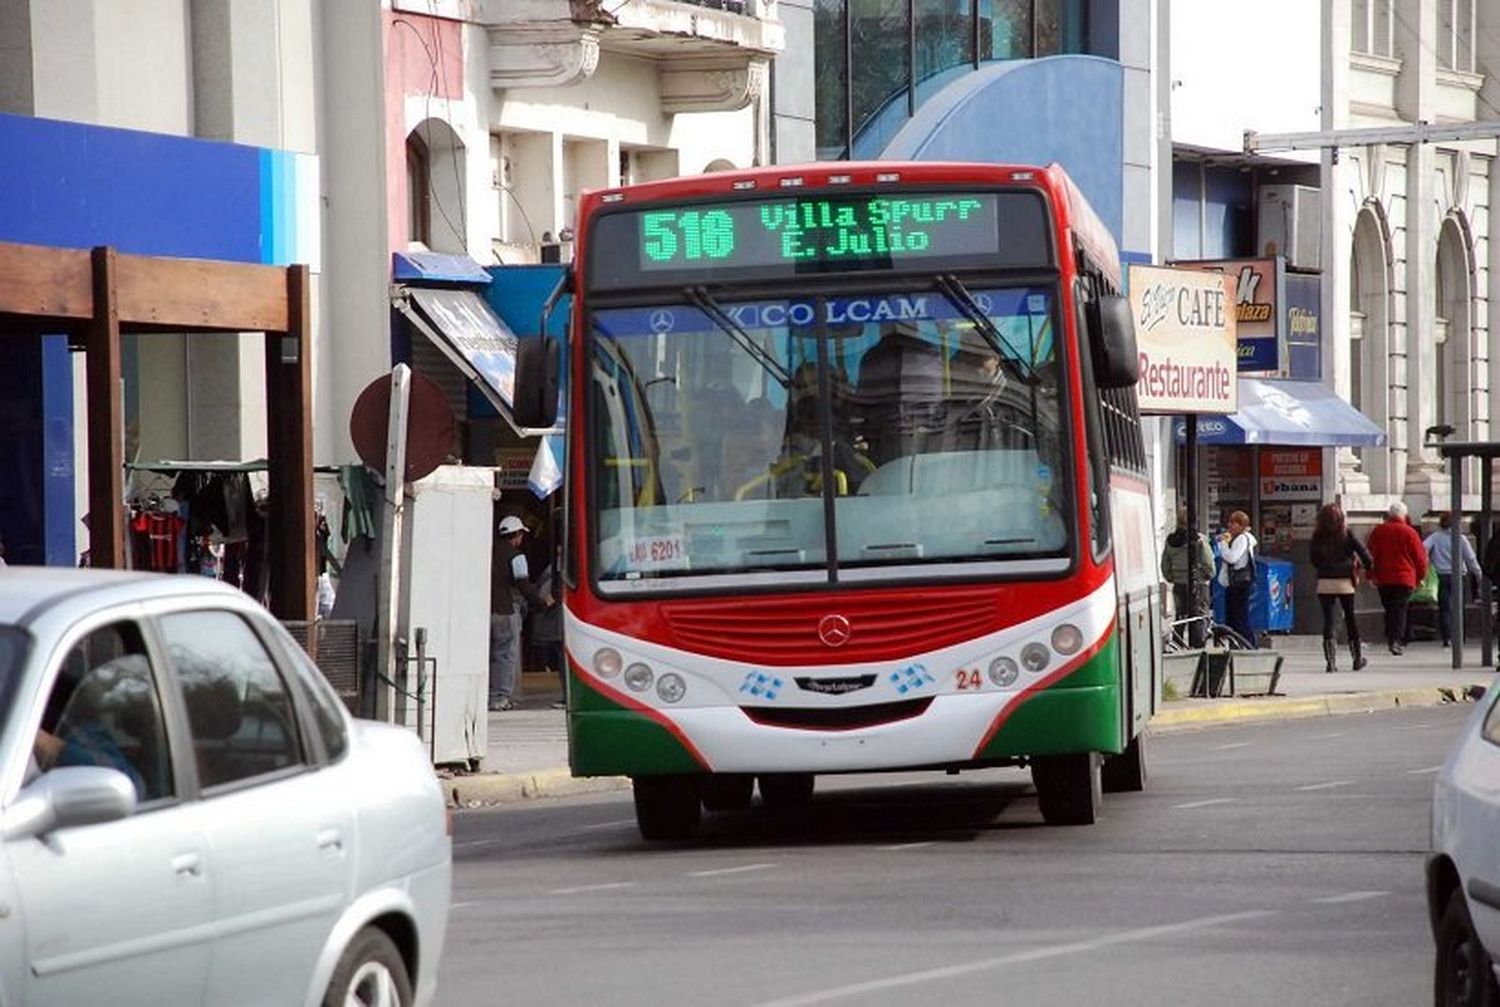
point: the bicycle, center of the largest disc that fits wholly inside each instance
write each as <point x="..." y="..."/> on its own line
<point x="1216" y="635"/>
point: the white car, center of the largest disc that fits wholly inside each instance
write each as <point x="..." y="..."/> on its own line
<point x="188" y="815"/>
<point x="1463" y="873"/>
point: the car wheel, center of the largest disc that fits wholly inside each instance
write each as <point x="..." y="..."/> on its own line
<point x="786" y="790"/>
<point x="1463" y="976"/>
<point x="370" y="974"/>
<point x="1068" y="788"/>
<point x="666" y="807"/>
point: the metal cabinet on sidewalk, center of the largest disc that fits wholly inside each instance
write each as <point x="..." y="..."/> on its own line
<point x="446" y="591"/>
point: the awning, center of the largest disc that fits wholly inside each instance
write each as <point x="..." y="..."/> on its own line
<point x="1287" y="412"/>
<point x="462" y="325"/>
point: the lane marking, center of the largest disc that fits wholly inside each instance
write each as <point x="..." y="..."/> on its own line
<point x="1326" y="786"/>
<point x="729" y="870"/>
<point x="477" y="842"/>
<point x="1325" y="737"/>
<point x="1204" y="804"/>
<point x="1237" y="744"/>
<point x="1412" y="727"/>
<point x="907" y="846"/>
<point x="607" y="825"/>
<point x="1016" y="958"/>
<point x="1334" y="900"/>
<point x="1422" y="772"/>
<point x="608" y="885"/>
<point x="464" y="905"/>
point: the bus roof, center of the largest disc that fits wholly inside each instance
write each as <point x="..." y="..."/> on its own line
<point x="1087" y="230"/>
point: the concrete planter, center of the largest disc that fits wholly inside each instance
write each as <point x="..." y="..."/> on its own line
<point x="1256" y="672"/>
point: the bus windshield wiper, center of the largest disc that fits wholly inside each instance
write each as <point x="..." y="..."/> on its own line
<point x="953" y="289"/>
<point x="704" y="302"/>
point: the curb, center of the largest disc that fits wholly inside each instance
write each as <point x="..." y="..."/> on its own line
<point x="486" y="789"/>
<point x="1246" y="711"/>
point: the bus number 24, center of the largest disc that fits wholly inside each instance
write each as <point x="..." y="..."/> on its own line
<point x="967" y="678"/>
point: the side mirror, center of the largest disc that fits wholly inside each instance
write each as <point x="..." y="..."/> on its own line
<point x="537" y="379"/>
<point x="1117" y="362"/>
<point x="69" y="797"/>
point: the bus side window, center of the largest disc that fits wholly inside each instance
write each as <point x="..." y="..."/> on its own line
<point x="1098" y="468"/>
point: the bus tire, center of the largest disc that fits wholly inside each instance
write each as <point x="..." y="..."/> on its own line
<point x="726" y="791"/>
<point x="786" y="790"/>
<point x="666" y="807"/>
<point x="1068" y="788"/>
<point x="1126" y="773"/>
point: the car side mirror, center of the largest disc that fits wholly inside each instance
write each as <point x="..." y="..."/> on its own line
<point x="534" y="404"/>
<point x="66" y="798"/>
<point x="1117" y="362"/>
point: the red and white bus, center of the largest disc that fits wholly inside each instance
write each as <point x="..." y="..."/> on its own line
<point x="855" y="483"/>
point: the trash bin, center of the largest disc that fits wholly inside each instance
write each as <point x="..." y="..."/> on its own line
<point x="1270" y="602"/>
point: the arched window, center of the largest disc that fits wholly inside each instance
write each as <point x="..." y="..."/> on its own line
<point x="418" y="191"/>
<point x="1369" y="303"/>
<point x="1453" y="331"/>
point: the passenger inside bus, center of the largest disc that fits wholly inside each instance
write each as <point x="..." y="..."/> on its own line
<point x="899" y="397"/>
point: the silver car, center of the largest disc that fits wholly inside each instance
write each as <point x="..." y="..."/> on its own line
<point x="189" y="816"/>
<point x="1463" y="872"/>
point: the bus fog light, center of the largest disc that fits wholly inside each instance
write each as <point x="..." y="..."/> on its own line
<point x="1035" y="657"/>
<point x="1004" y="671"/>
<point x="1066" y="639"/>
<point x="607" y="662"/>
<point x="670" y="687"/>
<point x="638" y="677"/>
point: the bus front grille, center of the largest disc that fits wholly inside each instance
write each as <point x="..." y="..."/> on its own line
<point x="839" y="718"/>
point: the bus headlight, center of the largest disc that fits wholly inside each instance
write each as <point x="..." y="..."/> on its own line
<point x="638" y="677"/>
<point x="607" y="662"/>
<point x="1066" y="639"/>
<point x="1035" y="657"/>
<point x="670" y="687"/>
<point x="1004" y="672"/>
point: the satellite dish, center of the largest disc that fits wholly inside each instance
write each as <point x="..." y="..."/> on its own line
<point x="430" y="425"/>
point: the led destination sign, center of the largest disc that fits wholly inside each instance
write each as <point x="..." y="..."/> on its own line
<point x="754" y="238"/>
<point x="828" y="230"/>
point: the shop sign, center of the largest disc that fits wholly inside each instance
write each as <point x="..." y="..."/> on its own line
<point x="1185" y="336"/>
<point x="1304" y="348"/>
<point x="1256" y="286"/>
<point x="1291" y="473"/>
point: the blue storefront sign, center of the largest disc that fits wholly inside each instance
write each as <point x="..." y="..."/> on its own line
<point x="1303" y="326"/>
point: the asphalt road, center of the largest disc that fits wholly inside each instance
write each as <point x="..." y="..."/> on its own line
<point x="1276" y="863"/>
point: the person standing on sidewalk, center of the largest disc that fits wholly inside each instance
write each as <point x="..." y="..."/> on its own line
<point x="1175" y="557"/>
<point x="1439" y="546"/>
<point x="1400" y="565"/>
<point x="1338" y="557"/>
<point x="1237" y="574"/>
<point x="511" y="591"/>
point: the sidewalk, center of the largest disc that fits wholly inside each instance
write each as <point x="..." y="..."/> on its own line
<point x="528" y="747"/>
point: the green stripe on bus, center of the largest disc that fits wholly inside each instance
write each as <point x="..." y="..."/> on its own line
<point x="1080" y="713"/>
<point x="607" y="739"/>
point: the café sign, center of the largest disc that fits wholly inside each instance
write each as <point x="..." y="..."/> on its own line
<point x="1185" y="330"/>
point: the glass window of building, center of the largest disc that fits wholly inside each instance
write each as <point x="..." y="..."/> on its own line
<point x="880" y="39"/>
<point x="831" y="78"/>
<point x="1372" y="27"/>
<point x="945" y="40"/>
<point x="1455" y="48"/>
<point x="1005" y="29"/>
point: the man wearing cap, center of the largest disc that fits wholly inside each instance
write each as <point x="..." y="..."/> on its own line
<point x="509" y="577"/>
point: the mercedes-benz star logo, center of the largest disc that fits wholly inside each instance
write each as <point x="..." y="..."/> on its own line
<point x="662" y="321"/>
<point x="834" y="630"/>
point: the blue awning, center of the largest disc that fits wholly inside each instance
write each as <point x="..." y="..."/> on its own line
<point x="1287" y="412"/>
<point x="437" y="267"/>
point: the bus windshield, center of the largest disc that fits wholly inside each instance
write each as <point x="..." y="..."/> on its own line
<point x="851" y="438"/>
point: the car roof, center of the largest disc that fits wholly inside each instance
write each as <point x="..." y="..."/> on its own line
<point x="27" y="592"/>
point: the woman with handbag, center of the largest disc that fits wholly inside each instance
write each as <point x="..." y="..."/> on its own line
<point x="1340" y="561"/>
<point x="1237" y="573"/>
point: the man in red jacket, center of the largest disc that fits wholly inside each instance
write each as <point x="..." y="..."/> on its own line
<point x="1400" y="565"/>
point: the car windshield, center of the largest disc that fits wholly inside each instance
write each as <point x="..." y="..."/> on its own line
<point x="13" y="644"/>
<point x="832" y="437"/>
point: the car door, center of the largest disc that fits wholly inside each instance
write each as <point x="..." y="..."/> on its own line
<point x="1476" y="847"/>
<point x="278" y="828"/>
<point x="117" y="912"/>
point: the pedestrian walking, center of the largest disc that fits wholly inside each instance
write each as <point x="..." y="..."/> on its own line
<point x="1340" y="562"/>
<point x="511" y="591"/>
<point x="1175" y="557"/>
<point x="1237" y="573"/>
<point x="1400" y="564"/>
<point x="1439" y="546"/>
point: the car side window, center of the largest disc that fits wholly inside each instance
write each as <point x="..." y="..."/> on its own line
<point x="239" y="711"/>
<point x="105" y="710"/>
<point x="327" y="709"/>
<point x="1491" y="729"/>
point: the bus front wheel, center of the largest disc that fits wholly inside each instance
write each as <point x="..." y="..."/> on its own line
<point x="666" y="807"/>
<point x="1126" y="773"/>
<point x="1068" y="788"/>
<point x="786" y="790"/>
<point x="727" y="791"/>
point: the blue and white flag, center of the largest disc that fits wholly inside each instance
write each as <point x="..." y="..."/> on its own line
<point x="546" y="469"/>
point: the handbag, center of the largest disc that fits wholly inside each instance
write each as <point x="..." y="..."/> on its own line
<point x="1427" y="591"/>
